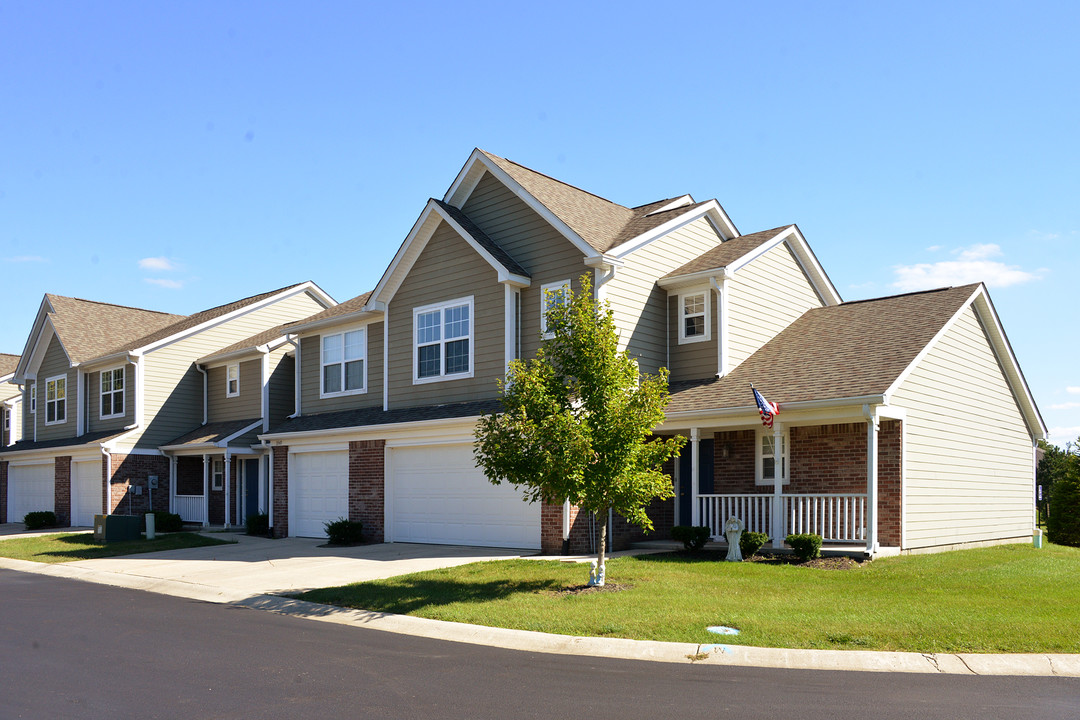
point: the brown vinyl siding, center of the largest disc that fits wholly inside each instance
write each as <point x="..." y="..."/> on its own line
<point x="94" y="423"/>
<point x="694" y="360"/>
<point x="311" y="370"/>
<point x="447" y="269"/>
<point x="55" y="363"/>
<point x="534" y="244"/>
<point x="248" y="404"/>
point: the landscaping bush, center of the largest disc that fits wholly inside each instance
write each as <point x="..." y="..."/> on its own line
<point x="39" y="519"/>
<point x="693" y="538"/>
<point x="751" y="542"/>
<point x="165" y="522"/>
<point x="344" y="532"/>
<point x="258" y="524"/>
<point x="1063" y="525"/>
<point x="806" y="546"/>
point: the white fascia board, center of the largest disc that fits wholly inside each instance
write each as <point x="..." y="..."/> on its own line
<point x="466" y="180"/>
<point x="40" y="347"/>
<point x="124" y="357"/>
<point x="676" y="203"/>
<point x="225" y="441"/>
<point x="691" y="279"/>
<point x="813" y="269"/>
<point x="401" y="431"/>
<point x="680" y="419"/>
<point x="710" y="210"/>
<point x="457" y="199"/>
<point x="32" y="339"/>
<point x="252" y="350"/>
<point x="306" y="287"/>
<point x="363" y="316"/>
<point x="111" y="445"/>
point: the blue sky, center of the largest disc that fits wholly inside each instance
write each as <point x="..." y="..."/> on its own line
<point x="176" y="156"/>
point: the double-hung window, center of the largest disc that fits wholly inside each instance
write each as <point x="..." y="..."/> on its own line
<point x="694" y="320"/>
<point x="217" y="479"/>
<point x="232" y="380"/>
<point x="771" y="462"/>
<point x="443" y="341"/>
<point x="56" y="400"/>
<point x="343" y="363"/>
<point x="552" y="295"/>
<point x="33" y="398"/>
<point x="112" y="393"/>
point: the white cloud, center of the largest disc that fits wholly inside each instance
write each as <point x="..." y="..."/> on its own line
<point x="935" y="248"/>
<point x="1073" y="389"/>
<point x="165" y="283"/>
<point x="1065" y="406"/>
<point x="157" y="263"/>
<point x="25" y="258"/>
<point x="1061" y="435"/>
<point x="973" y="264"/>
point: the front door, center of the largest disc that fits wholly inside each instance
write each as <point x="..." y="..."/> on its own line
<point x="251" y="489"/>
<point x="705" y="478"/>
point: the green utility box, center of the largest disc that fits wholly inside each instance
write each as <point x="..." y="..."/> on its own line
<point x="115" y="528"/>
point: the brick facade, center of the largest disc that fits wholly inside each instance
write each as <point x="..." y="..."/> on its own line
<point x="367" y="499"/>
<point x="551" y="524"/>
<point x="280" y="512"/>
<point x="62" y="489"/>
<point x="132" y="471"/>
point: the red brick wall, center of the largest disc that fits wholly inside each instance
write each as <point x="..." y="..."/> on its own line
<point x="131" y="471"/>
<point x="189" y="475"/>
<point x="3" y="491"/>
<point x="366" y="486"/>
<point x="551" y="524"/>
<point x="62" y="489"/>
<point x="890" y="445"/>
<point x="734" y="474"/>
<point x="280" y="463"/>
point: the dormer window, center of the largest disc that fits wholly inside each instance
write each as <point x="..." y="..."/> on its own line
<point x="552" y="295"/>
<point x="343" y="363"/>
<point x="56" y="400"/>
<point x="232" y="380"/>
<point x="112" y="393"/>
<point x="694" y="317"/>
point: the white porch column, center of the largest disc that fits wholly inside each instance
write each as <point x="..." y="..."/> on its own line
<point x="779" y="472"/>
<point x="206" y="489"/>
<point x="871" y="481"/>
<point x="695" y="450"/>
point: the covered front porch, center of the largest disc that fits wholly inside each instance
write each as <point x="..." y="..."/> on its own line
<point x="836" y="474"/>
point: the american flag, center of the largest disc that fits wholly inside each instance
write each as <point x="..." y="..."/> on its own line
<point x="765" y="408"/>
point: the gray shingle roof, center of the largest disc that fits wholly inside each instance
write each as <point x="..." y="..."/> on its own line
<point x="8" y="363"/>
<point x="484" y="241"/>
<point x="90" y="329"/>
<point x="346" y="308"/>
<point x="80" y="441"/>
<point x="212" y="432"/>
<point x="247" y="343"/>
<point x="850" y="350"/>
<point x="727" y="252"/>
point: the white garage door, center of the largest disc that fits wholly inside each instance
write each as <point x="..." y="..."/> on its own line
<point x="85" y="492"/>
<point x="318" y="491"/>
<point x="30" y="488"/>
<point x="440" y="497"/>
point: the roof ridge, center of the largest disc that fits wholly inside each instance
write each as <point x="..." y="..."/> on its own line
<point x="909" y="294"/>
<point x="554" y="179"/>
<point x="115" y="305"/>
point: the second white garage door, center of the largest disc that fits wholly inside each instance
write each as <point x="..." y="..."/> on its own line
<point x="318" y="491"/>
<point x="30" y="489"/>
<point x="440" y="497"/>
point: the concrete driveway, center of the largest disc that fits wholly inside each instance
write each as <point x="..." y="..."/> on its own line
<point x="258" y="566"/>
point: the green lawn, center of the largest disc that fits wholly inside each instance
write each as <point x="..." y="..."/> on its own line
<point x="81" y="546"/>
<point x="1010" y="598"/>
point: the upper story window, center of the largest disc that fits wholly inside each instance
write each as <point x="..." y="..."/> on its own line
<point x="56" y="400"/>
<point x="694" y="317"/>
<point x="7" y="427"/>
<point x="552" y="295"/>
<point x="443" y="341"/>
<point x="769" y="461"/>
<point x="232" y="380"/>
<point x="112" y="393"/>
<point x="343" y="363"/>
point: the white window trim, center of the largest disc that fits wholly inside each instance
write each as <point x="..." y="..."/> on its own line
<point x="47" y="381"/>
<point x="417" y="311"/>
<point x="228" y="370"/>
<point x="544" y="289"/>
<point x="33" y="398"/>
<point x="123" y="392"/>
<point x="784" y="465"/>
<point x="322" y="364"/>
<point x="217" y="480"/>
<point x="683" y="339"/>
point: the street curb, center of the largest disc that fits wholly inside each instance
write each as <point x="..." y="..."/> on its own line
<point x="1056" y="665"/>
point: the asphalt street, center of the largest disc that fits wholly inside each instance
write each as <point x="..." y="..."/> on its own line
<point x="80" y="650"/>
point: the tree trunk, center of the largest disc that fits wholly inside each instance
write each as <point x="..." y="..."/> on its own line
<point x="600" y="570"/>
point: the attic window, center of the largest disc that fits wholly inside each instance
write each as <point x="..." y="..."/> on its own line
<point x="232" y="380"/>
<point x="694" y="320"/>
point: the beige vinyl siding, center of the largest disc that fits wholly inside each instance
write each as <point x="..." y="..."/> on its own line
<point x="246" y="405"/>
<point x="282" y="384"/>
<point x="640" y="305"/>
<point x="311" y="370"/>
<point x="447" y="269"/>
<point x="764" y="297"/>
<point x="94" y="423"/>
<point x="693" y="360"/>
<point x="174" y="388"/>
<point x="968" y="473"/>
<point x="55" y="363"/>
<point x="539" y="248"/>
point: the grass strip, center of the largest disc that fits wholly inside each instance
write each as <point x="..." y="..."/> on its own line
<point x="81" y="546"/>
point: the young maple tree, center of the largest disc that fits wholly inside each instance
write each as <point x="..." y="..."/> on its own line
<point x="576" y="421"/>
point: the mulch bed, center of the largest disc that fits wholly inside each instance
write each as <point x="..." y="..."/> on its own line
<point x="841" y="562"/>
<point x="589" y="589"/>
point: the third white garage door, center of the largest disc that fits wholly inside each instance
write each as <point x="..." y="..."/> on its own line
<point x="440" y="497"/>
<point x="318" y="491"/>
<point x="30" y="489"/>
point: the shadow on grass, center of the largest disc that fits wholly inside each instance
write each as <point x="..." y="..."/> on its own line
<point x="83" y="547"/>
<point x="412" y="594"/>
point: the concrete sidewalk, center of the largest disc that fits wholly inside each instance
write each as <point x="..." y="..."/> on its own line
<point x="256" y="572"/>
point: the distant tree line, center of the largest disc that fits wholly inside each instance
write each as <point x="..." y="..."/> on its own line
<point x="1058" y="493"/>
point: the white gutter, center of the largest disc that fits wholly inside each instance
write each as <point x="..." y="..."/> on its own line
<point x="859" y="400"/>
<point x="108" y="482"/>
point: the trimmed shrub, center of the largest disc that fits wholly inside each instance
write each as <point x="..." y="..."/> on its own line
<point x="258" y="524"/>
<point x="344" y="532"/>
<point x="1063" y="525"/>
<point x="39" y="519"/>
<point x="806" y="546"/>
<point x="165" y="522"/>
<point x="693" y="538"/>
<point x="751" y="542"/>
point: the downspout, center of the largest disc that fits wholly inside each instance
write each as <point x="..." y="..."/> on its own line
<point x="566" y="527"/>
<point x="205" y="385"/>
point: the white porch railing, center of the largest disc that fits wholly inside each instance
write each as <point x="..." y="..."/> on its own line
<point x="190" y="508"/>
<point x="835" y="517"/>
